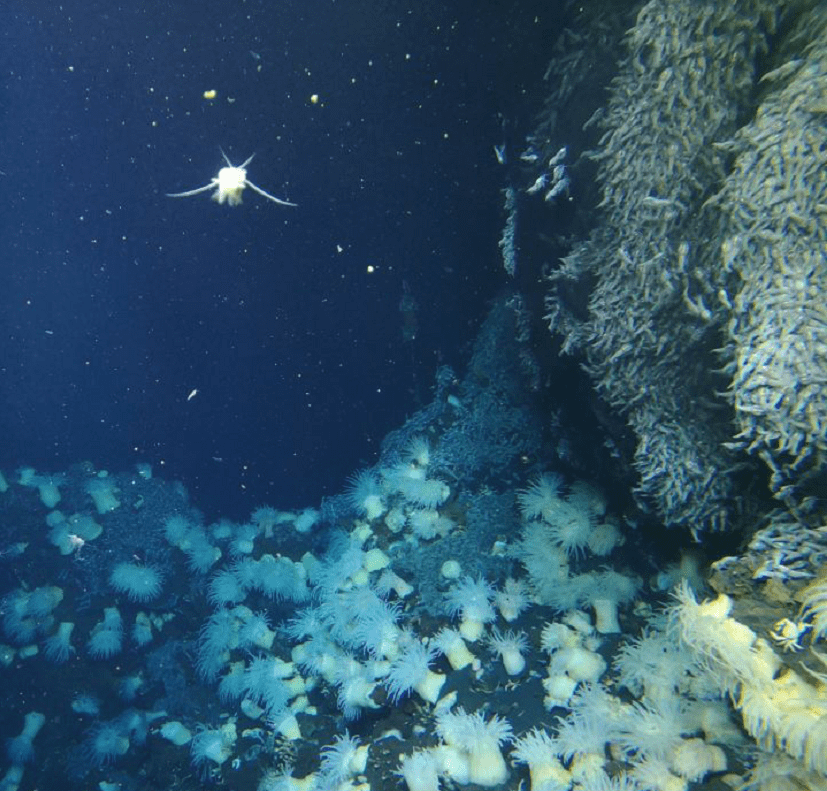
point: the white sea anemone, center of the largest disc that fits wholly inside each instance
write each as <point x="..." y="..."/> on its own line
<point x="142" y="630"/>
<point x="395" y="520"/>
<point x="558" y="688"/>
<point x="233" y="684"/>
<point x="41" y="601"/>
<point x="471" y="599"/>
<point x="350" y="613"/>
<point x="223" y="530"/>
<point x="589" y="726"/>
<point x="389" y="581"/>
<point x="267" y="518"/>
<point x="86" y="704"/>
<point x="715" y="720"/>
<point x="547" y="566"/>
<point x="418" y="451"/>
<point x="48" y="487"/>
<point x="283" y="780"/>
<point x="606" y="591"/>
<point x="19" y="623"/>
<point x="580" y="622"/>
<point x="559" y="635"/>
<point x="428" y="523"/>
<point x="245" y="571"/>
<point x="141" y="582"/>
<point x="510" y="646"/>
<point x="540" y="495"/>
<point x="411" y="671"/>
<point x="306" y="519"/>
<point x="285" y="725"/>
<point x="104" y="494"/>
<point x="105" y="643"/>
<point x="656" y="775"/>
<point x="451" y="569"/>
<point x="375" y="630"/>
<point x="694" y="759"/>
<point x="654" y="665"/>
<point x="604" y="538"/>
<point x="512" y="599"/>
<point x="256" y="633"/>
<point x="342" y="760"/>
<point x="59" y="646"/>
<point x="105" y="742"/>
<point x="264" y="683"/>
<point x="201" y="555"/>
<point x="478" y="742"/>
<point x="130" y="686"/>
<point x="338" y="568"/>
<point x="731" y="645"/>
<point x="651" y="730"/>
<point x="176" y="530"/>
<point x="308" y="622"/>
<point x="778" y="772"/>
<point x="410" y="481"/>
<point x="319" y="656"/>
<point x="176" y="732"/>
<point x="225" y="588"/>
<point x="244" y="540"/>
<point x="420" y="771"/>
<point x="375" y="560"/>
<point x="107" y="636"/>
<point x="450" y="643"/>
<point x="365" y="494"/>
<point x="578" y="663"/>
<point x="569" y="527"/>
<point x="213" y="745"/>
<point x="356" y="687"/>
<point x="217" y="637"/>
<point x="20" y="749"/>
<point x="537" y="749"/>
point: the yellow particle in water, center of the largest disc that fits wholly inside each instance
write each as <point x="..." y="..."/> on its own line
<point x="314" y="99"/>
<point x="210" y="94"/>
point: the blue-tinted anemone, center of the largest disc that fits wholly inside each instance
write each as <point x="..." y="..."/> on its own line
<point x="280" y="578"/>
<point x="105" y="643"/>
<point x="139" y="581"/>
<point x="225" y="588"/>
<point x="364" y="491"/>
<point x="255" y="632"/>
<point x="264" y="682"/>
<point x="217" y="636"/>
<point x="339" y="760"/>
<point x="209" y="746"/>
<point x="105" y="743"/>
<point x="58" y="648"/>
<point x="409" y="669"/>
<point x="308" y="623"/>
<point x="233" y="685"/>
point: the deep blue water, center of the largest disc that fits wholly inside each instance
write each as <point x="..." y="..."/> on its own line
<point x="116" y="302"/>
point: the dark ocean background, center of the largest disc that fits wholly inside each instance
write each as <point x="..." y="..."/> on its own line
<point x="117" y="302"/>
